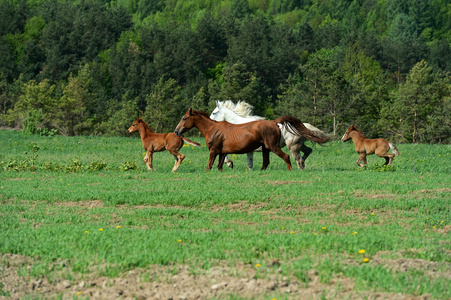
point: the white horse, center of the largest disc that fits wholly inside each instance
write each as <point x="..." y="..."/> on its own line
<point x="242" y="113"/>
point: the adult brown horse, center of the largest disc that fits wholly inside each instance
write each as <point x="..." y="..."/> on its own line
<point x="157" y="142"/>
<point x="365" y="146"/>
<point x="224" y="138"/>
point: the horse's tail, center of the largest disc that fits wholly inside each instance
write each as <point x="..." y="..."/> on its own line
<point x="192" y="143"/>
<point x="394" y="149"/>
<point x="319" y="132"/>
<point x="296" y="127"/>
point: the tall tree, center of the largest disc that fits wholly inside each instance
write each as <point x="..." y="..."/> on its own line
<point x="407" y="115"/>
<point x="164" y="106"/>
<point x="402" y="47"/>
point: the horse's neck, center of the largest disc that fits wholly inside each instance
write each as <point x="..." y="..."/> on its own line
<point x="204" y="125"/>
<point x="144" y="131"/>
<point x="234" y="118"/>
<point x="357" y="137"/>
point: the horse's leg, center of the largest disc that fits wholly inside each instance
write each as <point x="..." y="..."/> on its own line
<point x="149" y="161"/>
<point x="362" y="157"/>
<point x="211" y="160"/>
<point x="307" y="151"/>
<point x="283" y="156"/>
<point x="265" y="153"/>
<point x="388" y="158"/>
<point x="221" y="161"/>
<point x="229" y="162"/>
<point x="250" y="160"/>
<point x="179" y="157"/>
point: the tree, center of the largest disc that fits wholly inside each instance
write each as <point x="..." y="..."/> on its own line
<point x="35" y="97"/>
<point x="238" y="84"/>
<point x="164" y="106"/>
<point x="71" y="115"/>
<point x="402" y="47"/>
<point x="367" y="87"/>
<point x="416" y="103"/>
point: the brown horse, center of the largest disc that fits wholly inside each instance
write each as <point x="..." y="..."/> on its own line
<point x="224" y="138"/>
<point x="157" y="142"/>
<point x="365" y="146"/>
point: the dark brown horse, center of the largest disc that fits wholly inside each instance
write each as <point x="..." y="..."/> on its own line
<point x="365" y="146"/>
<point x="224" y="138"/>
<point x="157" y="142"/>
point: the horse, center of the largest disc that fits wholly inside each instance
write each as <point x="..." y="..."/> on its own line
<point x="365" y="146"/>
<point x="242" y="113"/>
<point x="224" y="138"/>
<point x="157" y="142"/>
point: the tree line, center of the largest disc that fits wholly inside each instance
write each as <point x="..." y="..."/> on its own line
<point x="90" y="67"/>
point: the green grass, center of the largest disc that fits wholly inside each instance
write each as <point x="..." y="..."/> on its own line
<point x="303" y="219"/>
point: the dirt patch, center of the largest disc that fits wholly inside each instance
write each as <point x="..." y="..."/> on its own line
<point x="280" y="182"/>
<point x="444" y="190"/>
<point x="376" y="195"/>
<point x="88" y="204"/>
<point x="180" y="282"/>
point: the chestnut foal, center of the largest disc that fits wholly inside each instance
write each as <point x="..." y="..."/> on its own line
<point x="157" y="142"/>
<point x="365" y="146"/>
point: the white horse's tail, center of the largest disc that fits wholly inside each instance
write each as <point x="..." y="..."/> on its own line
<point x="296" y="127"/>
<point x="394" y="149"/>
<point x="319" y="132"/>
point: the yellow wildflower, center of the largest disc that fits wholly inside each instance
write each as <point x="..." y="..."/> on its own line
<point x="362" y="251"/>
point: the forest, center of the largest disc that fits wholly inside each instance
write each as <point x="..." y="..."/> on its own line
<point x="90" y="67"/>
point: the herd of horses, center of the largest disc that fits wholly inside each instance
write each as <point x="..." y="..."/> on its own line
<point x="232" y="129"/>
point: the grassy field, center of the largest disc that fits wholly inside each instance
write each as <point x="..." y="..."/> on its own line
<point x="72" y="207"/>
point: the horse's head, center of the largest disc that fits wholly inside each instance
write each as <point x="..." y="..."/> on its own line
<point x="186" y="123"/>
<point x="218" y="112"/>
<point x="347" y="135"/>
<point x="135" y="125"/>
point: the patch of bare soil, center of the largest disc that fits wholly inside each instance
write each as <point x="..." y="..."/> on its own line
<point x="181" y="283"/>
<point x="88" y="204"/>
<point x="280" y="182"/>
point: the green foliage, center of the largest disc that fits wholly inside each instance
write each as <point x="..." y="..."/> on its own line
<point x="88" y="65"/>
<point x="34" y="148"/>
<point x="71" y="115"/>
<point x="128" y="165"/>
<point x="420" y="100"/>
<point x="165" y="106"/>
<point x="74" y="166"/>
<point x="97" y="166"/>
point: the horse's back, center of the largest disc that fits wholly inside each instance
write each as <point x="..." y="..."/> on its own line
<point x="374" y="146"/>
<point x="244" y="138"/>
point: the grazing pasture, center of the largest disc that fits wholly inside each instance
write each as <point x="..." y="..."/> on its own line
<point x="81" y="217"/>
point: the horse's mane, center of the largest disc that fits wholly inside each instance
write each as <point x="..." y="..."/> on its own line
<point x="147" y="127"/>
<point x="242" y="109"/>
<point x="359" y="132"/>
<point x="200" y="113"/>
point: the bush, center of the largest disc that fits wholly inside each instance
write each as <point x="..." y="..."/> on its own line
<point x="129" y="165"/>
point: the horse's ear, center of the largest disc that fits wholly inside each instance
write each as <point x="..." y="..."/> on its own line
<point x="218" y="103"/>
<point x="190" y="111"/>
